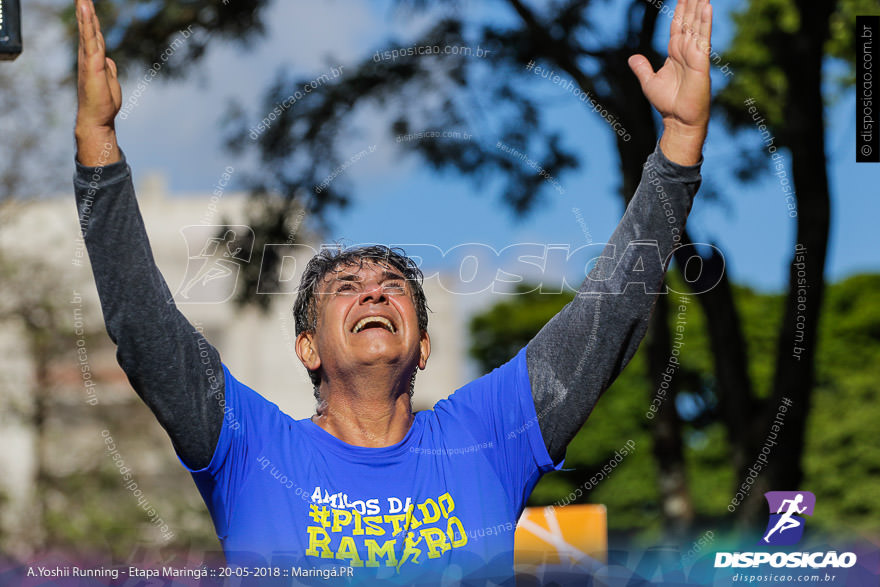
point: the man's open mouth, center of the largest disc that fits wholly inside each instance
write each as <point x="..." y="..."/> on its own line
<point x="374" y="322"/>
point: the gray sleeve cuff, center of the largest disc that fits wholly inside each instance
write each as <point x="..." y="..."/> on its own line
<point x="102" y="176"/>
<point x="671" y="170"/>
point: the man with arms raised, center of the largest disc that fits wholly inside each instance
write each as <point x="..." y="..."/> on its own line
<point x="372" y="488"/>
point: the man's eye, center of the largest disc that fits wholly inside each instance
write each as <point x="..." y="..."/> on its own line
<point x="395" y="287"/>
<point x="345" y="287"/>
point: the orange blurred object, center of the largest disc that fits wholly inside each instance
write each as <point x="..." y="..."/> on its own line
<point x="561" y="535"/>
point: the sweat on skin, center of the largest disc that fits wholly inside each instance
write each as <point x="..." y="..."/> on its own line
<point x="400" y="459"/>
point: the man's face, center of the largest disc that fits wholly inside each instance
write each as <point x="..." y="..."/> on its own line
<point x="367" y="317"/>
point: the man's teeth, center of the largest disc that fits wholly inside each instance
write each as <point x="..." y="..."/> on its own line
<point x="362" y="323"/>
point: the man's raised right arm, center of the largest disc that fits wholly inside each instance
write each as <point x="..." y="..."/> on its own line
<point x="159" y="350"/>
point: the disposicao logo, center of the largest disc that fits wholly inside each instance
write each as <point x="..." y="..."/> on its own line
<point x="786" y="527"/>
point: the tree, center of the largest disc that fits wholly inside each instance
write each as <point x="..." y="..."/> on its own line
<point x="777" y="55"/>
<point x="298" y="149"/>
<point x="840" y="464"/>
<point x="32" y="99"/>
<point x="137" y="32"/>
<point x="846" y="394"/>
<point x="32" y="303"/>
<point x="779" y="65"/>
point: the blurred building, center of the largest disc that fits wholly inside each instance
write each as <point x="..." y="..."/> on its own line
<point x="52" y="415"/>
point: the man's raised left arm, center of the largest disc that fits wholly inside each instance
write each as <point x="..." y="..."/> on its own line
<point x="579" y="353"/>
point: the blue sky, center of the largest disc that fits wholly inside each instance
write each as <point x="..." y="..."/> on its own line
<point x="175" y="129"/>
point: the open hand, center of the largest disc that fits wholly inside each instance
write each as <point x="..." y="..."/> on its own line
<point x="680" y="90"/>
<point x="99" y="94"/>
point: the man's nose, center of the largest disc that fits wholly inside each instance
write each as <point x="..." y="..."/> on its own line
<point x="373" y="293"/>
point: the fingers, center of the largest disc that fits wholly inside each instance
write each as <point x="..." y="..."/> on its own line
<point x="91" y="41"/>
<point x="111" y="66"/>
<point x="641" y="67"/>
<point x="706" y="23"/>
<point x="96" y="24"/>
<point x="87" y="42"/>
<point x="677" y="26"/>
<point x="681" y="30"/>
<point x="702" y="28"/>
<point x="690" y="15"/>
<point x="691" y="30"/>
<point x="80" y="18"/>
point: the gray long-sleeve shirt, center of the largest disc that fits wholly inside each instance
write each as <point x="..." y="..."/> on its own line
<point x="571" y="361"/>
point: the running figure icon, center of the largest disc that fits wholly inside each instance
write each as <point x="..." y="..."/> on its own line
<point x="787" y="522"/>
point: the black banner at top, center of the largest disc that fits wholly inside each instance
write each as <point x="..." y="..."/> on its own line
<point x="867" y="131"/>
<point x="10" y="29"/>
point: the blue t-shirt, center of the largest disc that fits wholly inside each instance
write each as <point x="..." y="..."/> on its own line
<point x="445" y="500"/>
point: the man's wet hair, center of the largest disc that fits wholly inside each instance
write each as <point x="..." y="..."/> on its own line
<point x="333" y="260"/>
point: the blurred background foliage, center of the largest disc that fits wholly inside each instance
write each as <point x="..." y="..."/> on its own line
<point x="840" y="466"/>
<point x="792" y="56"/>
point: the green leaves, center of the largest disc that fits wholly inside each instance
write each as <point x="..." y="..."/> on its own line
<point x="842" y="459"/>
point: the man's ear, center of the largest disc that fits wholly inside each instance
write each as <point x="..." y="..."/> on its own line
<point x="306" y="351"/>
<point x="424" y="349"/>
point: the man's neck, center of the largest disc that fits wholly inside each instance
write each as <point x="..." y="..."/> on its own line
<point x="363" y="414"/>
